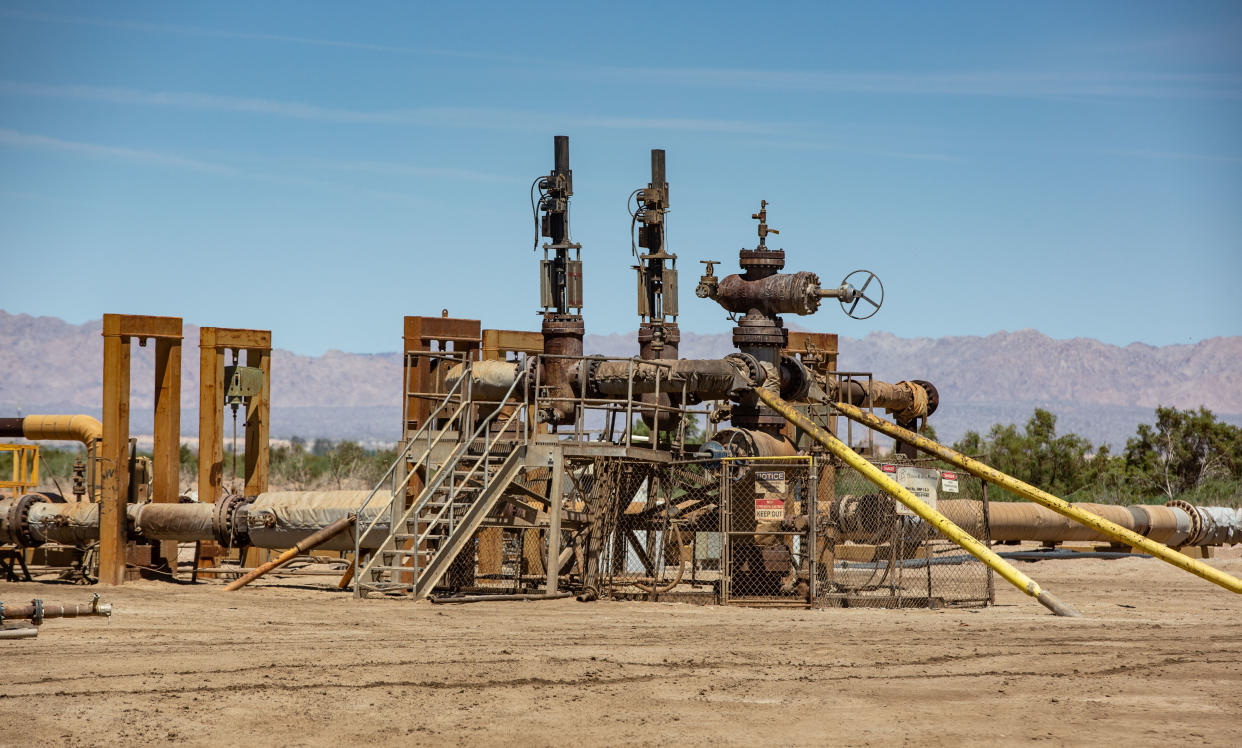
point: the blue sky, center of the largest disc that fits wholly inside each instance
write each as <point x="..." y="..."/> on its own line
<point x="322" y="169"/>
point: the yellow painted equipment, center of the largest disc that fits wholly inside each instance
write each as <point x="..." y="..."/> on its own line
<point x="25" y="468"/>
<point x="1031" y="493"/>
<point x="926" y="513"/>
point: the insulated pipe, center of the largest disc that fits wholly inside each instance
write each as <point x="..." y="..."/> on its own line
<point x="309" y="543"/>
<point x="180" y="522"/>
<point x="908" y="400"/>
<point x="1009" y="521"/>
<point x="925" y="512"/>
<point x="283" y="519"/>
<point x="1058" y="505"/>
<point x="75" y="523"/>
<point x="708" y="379"/>
<point x="490" y="381"/>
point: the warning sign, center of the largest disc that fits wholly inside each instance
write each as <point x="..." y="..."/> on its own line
<point x="769" y="509"/>
<point x="948" y="482"/>
<point x="769" y="481"/>
<point x="922" y="482"/>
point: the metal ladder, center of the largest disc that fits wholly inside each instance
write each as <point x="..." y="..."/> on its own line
<point x="425" y="537"/>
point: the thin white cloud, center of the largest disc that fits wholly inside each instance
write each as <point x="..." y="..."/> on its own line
<point x="853" y="149"/>
<point x="472" y="117"/>
<point x="161" y="28"/>
<point x="382" y="167"/>
<point x="964" y="83"/>
<point x="1174" y="156"/>
<point x="17" y="139"/>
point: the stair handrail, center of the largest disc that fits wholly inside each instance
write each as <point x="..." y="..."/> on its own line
<point x="431" y="419"/>
<point x="445" y="470"/>
<point x="487" y="448"/>
<point x="427" y="576"/>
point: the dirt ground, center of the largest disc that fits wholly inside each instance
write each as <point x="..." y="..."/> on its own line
<point x="1157" y="660"/>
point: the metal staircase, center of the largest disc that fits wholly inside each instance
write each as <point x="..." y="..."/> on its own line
<point x="485" y="453"/>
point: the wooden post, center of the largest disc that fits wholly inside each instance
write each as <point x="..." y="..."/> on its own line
<point x="115" y="457"/>
<point x="258" y="411"/>
<point x="214" y="343"/>
<point x="167" y="450"/>
<point x="210" y="425"/>
<point x="555" y="499"/>
<point x="118" y="331"/>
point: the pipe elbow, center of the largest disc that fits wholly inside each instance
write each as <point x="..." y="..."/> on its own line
<point x="79" y="428"/>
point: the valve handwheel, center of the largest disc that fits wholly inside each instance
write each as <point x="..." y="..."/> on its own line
<point x="859" y="296"/>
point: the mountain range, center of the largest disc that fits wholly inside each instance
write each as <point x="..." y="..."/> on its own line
<point x="1097" y="390"/>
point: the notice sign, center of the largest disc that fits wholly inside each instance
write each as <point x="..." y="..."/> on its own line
<point x="769" y="481"/>
<point x="948" y="482"/>
<point x="924" y="483"/>
<point x="769" y="509"/>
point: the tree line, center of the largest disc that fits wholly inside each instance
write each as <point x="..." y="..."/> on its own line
<point x="1186" y="454"/>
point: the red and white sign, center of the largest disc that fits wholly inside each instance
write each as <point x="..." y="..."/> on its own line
<point x="769" y="509"/>
<point x="889" y="468"/>
<point x="948" y="481"/>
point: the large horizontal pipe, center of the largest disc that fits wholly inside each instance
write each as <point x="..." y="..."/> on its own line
<point x="1058" y="505"/>
<point x="315" y="540"/>
<point x="282" y="519"/>
<point x="275" y="519"/>
<point x="489" y="380"/>
<point x="706" y="379"/>
<point x="908" y="400"/>
<point x="926" y="513"/>
<point x="1016" y="521"/>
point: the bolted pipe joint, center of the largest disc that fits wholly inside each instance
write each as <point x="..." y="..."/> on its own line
<point x="780" y="293"/>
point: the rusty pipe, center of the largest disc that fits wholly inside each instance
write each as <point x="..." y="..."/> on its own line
<point x="1055" y="503"/>
<point x="707" y="379"/>
<point x="36" y="610"/>
<point x="906" y="399"/>
<point x="781" y="293"/>
<point x="924" y="512"/>
<point x="306" y="544"/>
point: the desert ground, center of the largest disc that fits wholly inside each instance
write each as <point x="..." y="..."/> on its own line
<point x="1157" y="660"/>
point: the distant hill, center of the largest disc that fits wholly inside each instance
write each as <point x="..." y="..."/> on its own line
<point x="1098" y="390"/>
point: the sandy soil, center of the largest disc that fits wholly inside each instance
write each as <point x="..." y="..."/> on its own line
<point x="1158" y="660"/>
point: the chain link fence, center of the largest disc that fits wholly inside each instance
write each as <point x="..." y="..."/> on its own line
<point x="741" y="531"/>
<point x="877" y="553"/>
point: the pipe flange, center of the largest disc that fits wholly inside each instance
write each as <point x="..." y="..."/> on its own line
<point x="590" y="366"/>
<point x="750" y="366"/>
<point x="18" y="520"/>
<point x="761" y="258"/>
<point x="1196" y="520"/>
<point x="227" y="522"/>
<point x="933" y="395"/>
<point x="799" y="384"/>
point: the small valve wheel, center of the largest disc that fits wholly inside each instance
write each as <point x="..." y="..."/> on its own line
<point x="857" y="294"/>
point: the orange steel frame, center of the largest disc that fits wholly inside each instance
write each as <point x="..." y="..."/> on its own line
<point x="118" y="332"/>
<point x="213" y="344"/>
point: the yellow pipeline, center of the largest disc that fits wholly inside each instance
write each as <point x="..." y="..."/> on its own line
<point x="1058" y="505"/>
<point x="79" y="428"/>
<point x="925" y="512"/>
